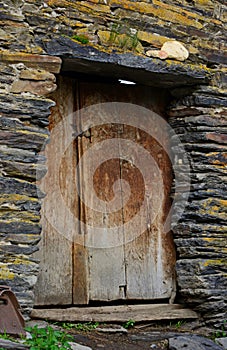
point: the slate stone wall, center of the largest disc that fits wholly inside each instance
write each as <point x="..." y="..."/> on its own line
<point x="199" y="119"/>
<point x="23" y="133"/>
<point x="119" y="33"/>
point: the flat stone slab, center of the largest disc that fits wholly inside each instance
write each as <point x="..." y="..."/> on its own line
<point x="87" y="59"/>
<point x="222" y="342"/>
<point x="192" y="342"/>
<point x="76" y="346"/>
<point x="8" y="344"/>
<point x="156" y="336"/>
<point x="111" y="330"/>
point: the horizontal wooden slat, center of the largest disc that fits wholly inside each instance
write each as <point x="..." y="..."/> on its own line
<point x="120" y="313"/>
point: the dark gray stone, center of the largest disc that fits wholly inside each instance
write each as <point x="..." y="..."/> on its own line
<point x="34" y="107"/>
<point x="155" y="336"/>
<point x="12" y="186"/>
<point x="192" y="342"/>
<point x="22" y="239"/>
<point x="17" y="250"/>
<point x="19" y="227"/>
<point x="86" y="59"/>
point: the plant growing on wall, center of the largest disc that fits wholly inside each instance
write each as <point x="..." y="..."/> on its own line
<point x="124" y="37"/>
<point x="83" y="39"/>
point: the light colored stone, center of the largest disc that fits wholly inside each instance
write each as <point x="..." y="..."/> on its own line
<point x="40" y="88"/>
<point x="112" y="330"/>
<point x="76" y="346"/>
<point x="35" y="74"/>
<point x="222" y="342"/>
<point x="175" y="50"/>
<point x="38" y="323"/>
<point x="157" y="53"/>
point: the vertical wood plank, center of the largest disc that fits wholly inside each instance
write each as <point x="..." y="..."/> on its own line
<point x="106" y="266"/>
<point x="54" y="285"/>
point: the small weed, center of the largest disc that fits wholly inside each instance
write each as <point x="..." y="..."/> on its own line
<point x="129" y="324"/>
<point x="179" y="324"/>
<point x="88" y="326"/>
<point x="48" y="338"/>
<point x="123" y="37"/>
<point x="221" y="333"/>
<point x="83" y="39"/>
<point x="6" y="336"/>
<point x="68" y="326"/>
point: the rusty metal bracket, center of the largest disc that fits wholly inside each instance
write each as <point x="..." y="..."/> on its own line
<point x="11" y="319"/>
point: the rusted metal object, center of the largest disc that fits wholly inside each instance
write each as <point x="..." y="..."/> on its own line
<point x="11" y="319"/>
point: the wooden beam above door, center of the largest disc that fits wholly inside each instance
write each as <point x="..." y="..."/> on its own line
<point x="119" y="313"/>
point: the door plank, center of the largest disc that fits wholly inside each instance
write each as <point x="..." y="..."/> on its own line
<point x="150" y="256"/>
<point x="105" y="257"/>
<point x="54" y="285"/>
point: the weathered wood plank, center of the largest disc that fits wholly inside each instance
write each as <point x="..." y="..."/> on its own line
<point x="105" y="252"/>
<point x="120" y="313"/>
<point x="54" y="286"/>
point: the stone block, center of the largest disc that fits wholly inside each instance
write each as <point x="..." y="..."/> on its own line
<point x="192" y="342"/>
<point x="40" y="88"/>
<point x="34" y="74"/>
<point x="49" y="63"/>
<point x="222" y="342"/>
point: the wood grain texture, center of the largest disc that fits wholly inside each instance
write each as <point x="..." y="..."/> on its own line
<point x="54" y="286"/>
<point x="121" y="313"/>
<point x="140" y="268"/>
<point x="103" y="266"/>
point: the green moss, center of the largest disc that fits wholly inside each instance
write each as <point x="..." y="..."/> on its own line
<point x="83" y="39"/>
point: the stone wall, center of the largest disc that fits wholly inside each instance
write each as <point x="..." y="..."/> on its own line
<point x="199" y="119"/>
<point x="116" y="34"/>
<point x="24" y="117"/>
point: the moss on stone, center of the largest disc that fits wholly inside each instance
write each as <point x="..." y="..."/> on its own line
<point x="5" y="273"/>
<point x="14" y="197"/>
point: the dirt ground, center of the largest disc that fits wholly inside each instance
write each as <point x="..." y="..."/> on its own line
<point x="132" y="339"/>
<point x="99" y="341"/>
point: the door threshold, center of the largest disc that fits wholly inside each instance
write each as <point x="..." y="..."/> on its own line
<point x="118" y="313"/>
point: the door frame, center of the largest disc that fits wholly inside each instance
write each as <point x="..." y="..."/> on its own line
<point x="78" y="273"/>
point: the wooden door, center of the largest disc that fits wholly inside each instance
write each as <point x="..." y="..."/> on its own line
<point x="100" y="266"/>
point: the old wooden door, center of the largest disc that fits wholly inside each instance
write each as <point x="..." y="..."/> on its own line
<point x="81" y="259"/>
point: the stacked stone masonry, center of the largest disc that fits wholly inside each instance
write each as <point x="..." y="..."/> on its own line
<point x="119" y="33"/>
<point x="199" y="119"/>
